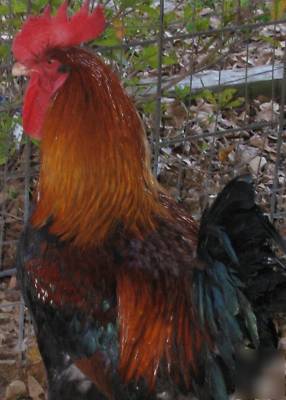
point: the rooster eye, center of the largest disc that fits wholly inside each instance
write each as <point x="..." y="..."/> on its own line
<point x="64" y="68"/>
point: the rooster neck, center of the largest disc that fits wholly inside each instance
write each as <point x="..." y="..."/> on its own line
<point x="95" y="171"/>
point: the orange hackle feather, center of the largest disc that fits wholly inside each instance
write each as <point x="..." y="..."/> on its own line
<point x="95" y="167"/>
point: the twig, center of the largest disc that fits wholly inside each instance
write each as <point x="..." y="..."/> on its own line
<point x="7" y="272"/>
<point x="184" y="36"/>
<point x="218" y="133"/>
<point x="13" y="304"/>
<point x="6" y="214"/>
<point x="158" y="113"/>
<point x="10" y="107"/>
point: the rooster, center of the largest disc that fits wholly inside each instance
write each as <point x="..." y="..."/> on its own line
<point x="129" y="297"/>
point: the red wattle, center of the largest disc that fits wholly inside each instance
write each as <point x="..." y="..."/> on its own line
<point x="36" y="101"/>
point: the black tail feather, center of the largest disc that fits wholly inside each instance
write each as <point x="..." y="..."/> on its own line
<point x="242" y="287"/>
<point x="235" y="231"/>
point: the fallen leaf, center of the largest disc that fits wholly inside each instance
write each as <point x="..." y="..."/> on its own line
<point x="15" y="389"/>
<point x="33" y="354"/>
<point x="224" y="153"/>
<point x="12" y="282"/>
<point x="268" y="111"/>
<point x="256" y="164"/>
<point x="119" y="28"/>
<point x="178" y="112"/>
<point x="35" y="389"/>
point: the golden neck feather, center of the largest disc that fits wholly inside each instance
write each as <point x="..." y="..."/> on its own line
<point x="95" y="169"/>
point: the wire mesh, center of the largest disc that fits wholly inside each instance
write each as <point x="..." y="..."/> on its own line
<point x="217" y="111"/>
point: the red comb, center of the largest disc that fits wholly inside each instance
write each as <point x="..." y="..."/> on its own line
<point x="46" y="32"/>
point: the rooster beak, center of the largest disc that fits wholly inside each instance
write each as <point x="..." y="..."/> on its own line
<point x="19" y="69"/>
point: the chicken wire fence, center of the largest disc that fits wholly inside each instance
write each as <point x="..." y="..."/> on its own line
<point x="208" y="78"/>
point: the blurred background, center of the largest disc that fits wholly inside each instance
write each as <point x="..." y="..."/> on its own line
<point x="209" y="80"/>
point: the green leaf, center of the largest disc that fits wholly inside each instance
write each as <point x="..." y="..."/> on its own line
<point x="12" y="193"/>
<point x="109" y="38"/>
<point x="151" y="12"/>
<point x="226" y="99"/>
<point x="271" y="40"/>
<point x="132" y="82"/>
<point x="35" y="142"/>
<point x="188" y="11"/>
<point x="200" y="24"/>
<point x="236" y="103"/>
<point x="182" y="93"/>
<point x="203" y="146"/>
<point x="170" y="17"/>
<point x="19" y="7"/>
<point x="6" y="125"/>
<point x="4" y="10"/>
<point x="38" y="5"/>
<point x="4" y="50"/>
<point x="149" y="107"/>
<point x="170" y="59"/>
<point x="128" y="3"/>
<point x="148" y="57"/>
<point x="208" y="96"/>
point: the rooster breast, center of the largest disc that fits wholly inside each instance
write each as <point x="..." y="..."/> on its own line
<point x="110" y="312"/>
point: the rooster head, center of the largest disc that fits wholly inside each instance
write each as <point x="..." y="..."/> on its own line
<point x="33" y="50"/>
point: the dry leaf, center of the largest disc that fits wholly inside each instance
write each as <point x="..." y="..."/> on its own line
<point x="35" y="389"/>
<point x="178" y="112"/>
<point x="12" y="282"/>
<point x="268" y="111"/>
<point x="15" y="389"/>
<point x="224" y="153"/>
<point x="247" y="153"/>
<point x="256" y="164"/>
<point x="119" y="28"/>
<point x="278" y="9"/>
<point x="33" y="354"/>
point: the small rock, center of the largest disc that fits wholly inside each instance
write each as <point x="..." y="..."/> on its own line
<point x="15" y="389"/>
<point x="256" y="164"/>
<point x="247" y="153"/>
